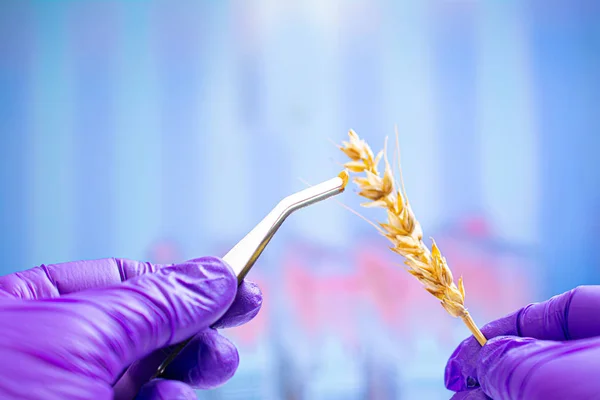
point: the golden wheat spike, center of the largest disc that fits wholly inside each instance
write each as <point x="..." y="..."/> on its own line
<point x="404" y="231"/>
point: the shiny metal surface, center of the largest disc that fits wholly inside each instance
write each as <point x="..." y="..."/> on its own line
<point x="245" y="253"/>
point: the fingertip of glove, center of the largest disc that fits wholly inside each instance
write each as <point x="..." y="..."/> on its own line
<point x="207" y="362"/>
<point x="253" y="291"/>
<point x="225" y="360"/>
<point x="246" y="306"/>
<point x="254" y="297"/>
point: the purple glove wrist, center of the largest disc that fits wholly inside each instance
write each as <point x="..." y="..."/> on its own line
<point x="97" y="329"/>
<point x="546" y="350"/>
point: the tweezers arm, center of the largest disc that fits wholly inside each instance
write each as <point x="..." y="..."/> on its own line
<point x="245" y="253"/>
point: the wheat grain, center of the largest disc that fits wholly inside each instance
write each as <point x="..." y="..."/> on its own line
<point x="403" y="229"/>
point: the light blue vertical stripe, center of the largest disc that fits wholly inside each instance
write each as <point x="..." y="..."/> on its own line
<point x="410" y="103"/>
<point x="93" y="47"/>
<point x="361" y="91"/>
<point x="565" y="49"/>
<point x="227" y="214"/>
<point x="272" y="177"/>
<point x="15" y="159"/>
<point x="265" y="159"/>
<point x="182" y="32"/>
<point x="52" y="161"/>
<point x="509" y="137"/>
<point x="362" y="82"/>
<point x="456" y="94"/>
<point x="138" y="162"/>
<point x="303" y="113"/>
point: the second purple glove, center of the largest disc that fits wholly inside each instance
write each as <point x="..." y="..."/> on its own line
<point x="548" y="350"/>
<point x="98" y="329"/>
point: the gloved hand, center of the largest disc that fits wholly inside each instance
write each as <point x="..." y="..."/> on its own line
<point x="548" y="350"/>
<point x="70" y="331"/>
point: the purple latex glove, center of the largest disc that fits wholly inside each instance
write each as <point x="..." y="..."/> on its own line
<point x="99" y="329"/>
<point x="548" y="350"/>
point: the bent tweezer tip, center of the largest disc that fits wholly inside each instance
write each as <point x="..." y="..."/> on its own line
<point x="245" y="253"/>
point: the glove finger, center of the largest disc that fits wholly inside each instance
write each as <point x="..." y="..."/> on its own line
<point x="476" y="394"/>
<point x="246" y="305"/>
<point x="208" y="361"/>
<point x="160" y="389"/>
<point x="54" y="280"/>
<point x="571" y="315"/>
<point x="143" y="314"/>
<point x="526" y="368"/>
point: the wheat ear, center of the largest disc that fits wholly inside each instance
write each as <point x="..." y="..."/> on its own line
<point x="403" y="229"/>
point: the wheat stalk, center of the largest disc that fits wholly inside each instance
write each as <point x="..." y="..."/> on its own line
<point x="403" y="229"/>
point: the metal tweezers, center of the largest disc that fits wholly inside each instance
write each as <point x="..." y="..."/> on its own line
<point x="244" y="254"/>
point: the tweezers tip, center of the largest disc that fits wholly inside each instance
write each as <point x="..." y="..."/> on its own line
<point x="345" y="176"/>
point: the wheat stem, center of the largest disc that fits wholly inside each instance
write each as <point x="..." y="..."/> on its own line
<point x="402" y="228"/>
<point x="468" y="320"/>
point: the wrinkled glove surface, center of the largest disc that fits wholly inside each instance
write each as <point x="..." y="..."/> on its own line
<point x="99" y="329"/>
<point x="548" y="350"/>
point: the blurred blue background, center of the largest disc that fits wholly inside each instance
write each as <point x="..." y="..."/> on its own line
<point x="165" y="130"/>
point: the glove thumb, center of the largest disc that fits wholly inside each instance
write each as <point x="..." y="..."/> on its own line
<point x="513" y="367"/>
